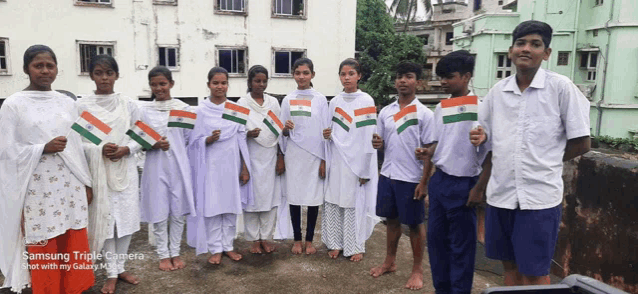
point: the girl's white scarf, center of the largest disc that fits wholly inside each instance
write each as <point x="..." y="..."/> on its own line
<point x="257" y="114"/>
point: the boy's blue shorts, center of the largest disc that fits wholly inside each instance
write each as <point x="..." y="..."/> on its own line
<point x="526" y="237"/>
<point x="395" y="201"/>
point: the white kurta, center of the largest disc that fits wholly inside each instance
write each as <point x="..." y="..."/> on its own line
<point x="29" y="120"/>
<point x="166" y="186"/>
<point x="305" y="148"/>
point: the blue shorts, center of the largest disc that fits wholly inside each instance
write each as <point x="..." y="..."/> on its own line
<point x="526" y="237"/>
<point x="395" y="201"/>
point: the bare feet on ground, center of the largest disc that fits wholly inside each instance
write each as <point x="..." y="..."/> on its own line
<point x="215" y="258"/>
<point x="309" y="248"/>
<point x="356" y="257"/>
<point x="416" y="281"/>
<point x="256" y="248"/>
<point x="297" y="248"/>
<point x="383" y="269"/>
<point x="178" y="263"/>
<point x="166" y="265"/>
<point x="129" y="278"/>
<point x="333" y="253"/>
<point x="233" y="255"/>
<point x="267" y="246"/>
<point x="109" y="286"/>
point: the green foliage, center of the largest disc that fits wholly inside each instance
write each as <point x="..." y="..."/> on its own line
<point x="380" y="49"/>
<point x="617" y="142"/>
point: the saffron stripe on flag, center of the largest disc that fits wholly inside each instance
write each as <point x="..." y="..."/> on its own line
<point x="406" y="124"/>
<point x="139" y="140"/>
<point x="339" y="122"/>
<point x="365" y="110"/>
<point x="344" y="114"/>
<point x="183" y="113"/>
<point x="275" y="119"/>
<point x="86" y="134"/>
<point x="404" y="111"/>
<point x="173" y="124"/>
<point x="235" y="107"/>
<point x="96" y="122"/>
<point x="146" y="129"/>
<point x="459" y="101"/>
<point x="298" y="102"/>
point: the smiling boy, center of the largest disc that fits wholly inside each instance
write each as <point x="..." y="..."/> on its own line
<point x="534" y="120"/>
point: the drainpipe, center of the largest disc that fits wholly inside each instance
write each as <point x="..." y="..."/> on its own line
<point x="602" y="88"/>
<point x="574" y="45"/>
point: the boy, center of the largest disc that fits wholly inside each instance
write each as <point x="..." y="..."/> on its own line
<point x="451" y="233"/>
<point x="534" y="120"/>
<point x="402" y="127"/>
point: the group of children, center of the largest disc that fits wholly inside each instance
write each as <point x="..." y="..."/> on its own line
<point x="265" y="161"/>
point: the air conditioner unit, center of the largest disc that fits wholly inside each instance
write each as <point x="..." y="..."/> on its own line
<point x="468" y="27"/>
<point x="587" y="90"/>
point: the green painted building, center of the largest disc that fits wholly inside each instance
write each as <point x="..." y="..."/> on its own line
<point x="595" y="43"/>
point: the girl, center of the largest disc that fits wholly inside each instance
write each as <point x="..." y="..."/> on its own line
<point x="45" y="184"/>
<point x="349" y="211"/>
<point x="305" y="112"/>
<point x="259" y="218"/>
<point x="218" y="154"/>
<point x="115" y="214"/>
<point x="167" y="193"/>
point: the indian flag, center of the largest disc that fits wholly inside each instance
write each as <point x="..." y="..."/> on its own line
<point x="300" y="107"/>
<point x="236" y="113"/>
<point x="91" y="128"/>
<point x="460" y="109"/>
<point x="273" y="123"/>
<point x="342" y="118"/>
<point x="181" y="119"/>
<point x="144" y="135"/>
<point x="366" y="116"/>
<point x="405" y="118"/>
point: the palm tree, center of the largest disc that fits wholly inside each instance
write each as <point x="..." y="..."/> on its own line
<point x="407" y="9"/>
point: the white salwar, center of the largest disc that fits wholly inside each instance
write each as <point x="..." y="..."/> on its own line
<point x="166" y="187"/>
<point x="29" y="120"/>
<point x="260" y="218"/>
<point x="115" y="211"/>
<point x="349" y="213"/>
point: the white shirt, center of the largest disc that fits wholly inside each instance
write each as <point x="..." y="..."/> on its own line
<point x="399" y="162"/>
<point x="455" y="155"/>
<point x="528" y="132"/>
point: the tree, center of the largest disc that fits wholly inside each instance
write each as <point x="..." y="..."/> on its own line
<point x="380" y="49"/>
<point x="407" y="9"/>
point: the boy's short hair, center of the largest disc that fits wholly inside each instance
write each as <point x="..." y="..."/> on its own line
<point x="405" y="67"/>
<point x="460" y="61"/>
<point x="533" y="27"/>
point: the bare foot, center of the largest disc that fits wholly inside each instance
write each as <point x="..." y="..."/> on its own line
<point x="178" y="263"/>
<point x="309" y="248"/>
<point x="383" y="269"/>
<point x="129" y="278"/>
<point x="416" y="281"/>
<point x="256" y="248"/>
<point x="215" y="258"/>
<point x="166" y="265"/>
<point x="356" y="257"/>
<point x="109" y="286"/>
<point x="296" y="248"/>
<point x="334" y="253"/>
<point x="233" y="255"/>
<point x="267" y="246"/>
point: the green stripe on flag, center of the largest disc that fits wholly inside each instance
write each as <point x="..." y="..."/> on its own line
<point x="267" y="123"/>
<point x="339" y="122"/>
<point x="146" y="145"/>
<point x="460" y="117"/>
<point x="406" y="124"/>
<point x="180" y="125"/>
<point x="368" y="122"/>
<point x="299" y="113"/>
<point x="234" y="118"/>
<point x="86" y="134"/>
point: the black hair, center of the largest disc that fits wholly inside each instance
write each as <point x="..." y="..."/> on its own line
<point x="252" y="72"/>
<point x="104" y="60"/>
<point x="33" y="51"/>
<point x="533" y="27"/>
<point x="405" y="67"/>
<point x="216" y="70"/>
<point x="160" y="71"/>
<point x="304" y="61"/>
<point x="352" y="63"/>
<point x="460" y="61"/>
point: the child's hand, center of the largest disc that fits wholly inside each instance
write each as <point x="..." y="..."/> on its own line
<point x="478" y="136"/>
<point x="254" y="133"/>
<point x="423" y="153"/>
<point x="327" y="133"/>
<point x="322" y="170"/>
<point x="214" y="137"/>
<point x="363" y="181"/>
<point x="120" y="152"/>
<point x="162" y="144"/>
<point x="280" y="169"/>
<point x="289" y="125"/>
<point x="89" y="195"/>
<point x="108" y="148"/>
<point x="377" y="141"/>
<point x="57" y="144"/>
<point x="244" y="177"/>
<point x="477" y="197"/>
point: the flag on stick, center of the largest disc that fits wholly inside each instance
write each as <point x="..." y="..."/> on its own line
<point x="91" y="128"/>
<point x="144" y="135"/>
<point x="273" y="123"/>
<point x="405" y="118"/>
<point x="366" y="116"/>
<point x="300" y="107"/>
<point x="460" y="109"/>
<point x="181" y="119"/>
<point x="236" y="113"/>
<point x="342" y="118"/>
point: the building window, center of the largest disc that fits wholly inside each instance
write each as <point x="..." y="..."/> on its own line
<point x="477" y="5"/>
<point x="233" y="59"/>
<point x="448" y="38"/>
<point x="598" y="2"/>
<point x="588" y="62"/>
<point x="500" y="2"/>
<point x="424" y="38"/>
<point x="504" y="66"/>
<point x="563" y="58"/>
<point x="288" y="7"/>
<point x="90" y="49"/>
<point x="284" y="59"/>
<point x="4" y="56"/>
<point x="169" y="57"/>
<point x="108" y="3"/>
<point x="165" y="2"/>
<point x="230" y="5"/>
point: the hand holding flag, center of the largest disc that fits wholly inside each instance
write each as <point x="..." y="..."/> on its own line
<point x="478" y="136"/>
<point x="56" y="144"/>
<point x="213" y="137"/>
<point x="327" y="133"/>
<point x="162" y="144"/>
<point x="144" y="135"/>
